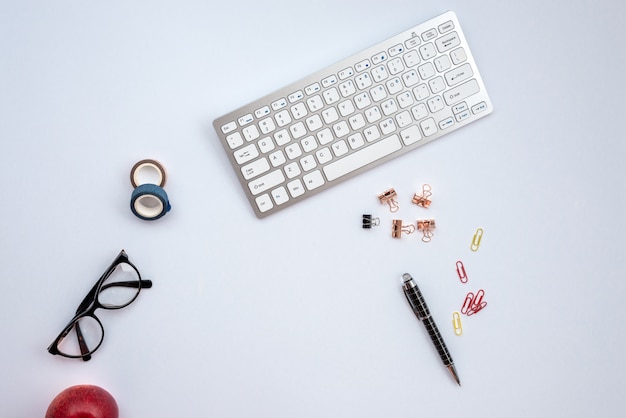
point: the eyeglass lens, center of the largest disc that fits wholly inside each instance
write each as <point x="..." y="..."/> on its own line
<point x="120" y="288"/>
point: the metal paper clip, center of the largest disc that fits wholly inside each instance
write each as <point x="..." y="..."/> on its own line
<point x="467" y="304"/>
<point x="369" y="221"/>
<point x="456" y="323"/>
<point x="473" y="303"/>
<point x="388" y="197"/>
<point x="460" y="270"/>
<point x="397" y="228"/>
<point x="478" y="235"/>
<point x="477" y="303"/>
<point x="426" y="226"/>
<point x="422" y="200"/>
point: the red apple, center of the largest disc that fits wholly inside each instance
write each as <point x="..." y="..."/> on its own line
<point x="83" y="401"/>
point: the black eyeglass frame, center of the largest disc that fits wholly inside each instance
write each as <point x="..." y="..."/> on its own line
<point x="90" y="304"/>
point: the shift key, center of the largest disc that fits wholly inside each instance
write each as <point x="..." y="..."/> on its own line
<point x="461" y="92"/>
<point x="266" y="182"/>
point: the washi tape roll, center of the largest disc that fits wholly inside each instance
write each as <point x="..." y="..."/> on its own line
<point x="149" y="202"/>
<point x="148" y="171"/>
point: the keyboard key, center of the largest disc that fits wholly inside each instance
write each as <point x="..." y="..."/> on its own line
<point x="428" y="127"/>
<point x="244" y="120"/>
<point x="280" y="195"/>
<point x="313" y="180"/>
<point x="459" y="74"/>
<point x="255" y="168"/>
<point x="446" y="27"/>
<point x="461" y="92"/>
<point x="410" y="135"/>
<point x="247" y="153"/>
<point x="448" y="42"/>
<point x="295" y="188"/>
<point x="362" y="157"/>
<point x="264" y="203"/>
<point x="429" y="34"/>
<point x="234" y="140"/>
<point x="266" y="182"/>
<point x="229" y="127"/>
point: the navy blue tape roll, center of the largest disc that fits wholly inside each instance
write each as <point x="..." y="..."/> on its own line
<point x="149" y="202"/>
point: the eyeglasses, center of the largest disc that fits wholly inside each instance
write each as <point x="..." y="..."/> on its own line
<point x="117" y="288"/>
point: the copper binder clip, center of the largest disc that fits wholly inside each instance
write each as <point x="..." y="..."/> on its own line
<point x="422" y="200"/>
<point x="388" y="197"/>
<point x="369" y="221"/>
<point x="397" y="228"/>
<point x="426" y="226"/>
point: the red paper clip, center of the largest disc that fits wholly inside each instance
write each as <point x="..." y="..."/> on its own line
<point x="467" y="304"/>
<point x="473" y="303"/>
<point x="460" y="270"/>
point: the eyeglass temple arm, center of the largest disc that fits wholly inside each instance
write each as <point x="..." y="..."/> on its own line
<point x="144" y="284"/>
<point x="84" y="350"/>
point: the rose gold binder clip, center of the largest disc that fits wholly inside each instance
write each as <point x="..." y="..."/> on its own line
<point x="460" y="270"/>
<point x="426" y="226"/>
<point x="456" y="323"/>
<point x="473" y="303"/>
<point x="388" y="197"/>
<point x="397" y="228"/>
<point x="478" y="235"/>
<point x="422" y="200"/>
<point x="369" y="221"/>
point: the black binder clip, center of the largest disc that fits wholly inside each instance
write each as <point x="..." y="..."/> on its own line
<point x="369" y="221"/>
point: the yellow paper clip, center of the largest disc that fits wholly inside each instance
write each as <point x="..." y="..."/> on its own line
<point x="426" y="226"/>
<point x="388" y="197"/>
<point x="456" y="323"/>
<point x="422" y="200"/>
<point x="397" y="228"/>
<point x="478" y="235"/>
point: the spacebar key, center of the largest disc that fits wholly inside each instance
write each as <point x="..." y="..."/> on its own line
<point x="362" y="158"/>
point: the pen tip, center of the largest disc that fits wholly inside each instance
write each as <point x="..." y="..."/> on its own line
<point x="454" y="374"/>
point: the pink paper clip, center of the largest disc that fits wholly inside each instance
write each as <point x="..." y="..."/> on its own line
<point x="460" y="270"/>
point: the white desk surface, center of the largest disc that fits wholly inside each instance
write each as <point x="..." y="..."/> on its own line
<point x="302" y="314"/>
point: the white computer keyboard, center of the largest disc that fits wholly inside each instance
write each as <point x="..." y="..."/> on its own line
<point x="354" y="115"/>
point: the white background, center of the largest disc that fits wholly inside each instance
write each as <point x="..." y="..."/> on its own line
<point x="301" y="314"/>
